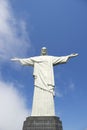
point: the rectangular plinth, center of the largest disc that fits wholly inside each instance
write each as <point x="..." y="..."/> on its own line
<point x="42" y="123"/>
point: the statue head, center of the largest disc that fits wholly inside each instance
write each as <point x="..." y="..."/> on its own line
<point x="43" y="51"/>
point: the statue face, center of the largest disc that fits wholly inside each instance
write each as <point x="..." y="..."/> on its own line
<point x="43" y="51"/>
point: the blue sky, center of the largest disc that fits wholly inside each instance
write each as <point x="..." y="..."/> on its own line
<point x="25" y="27"/>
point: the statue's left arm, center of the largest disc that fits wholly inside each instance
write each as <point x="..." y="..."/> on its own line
<point x="63" y="59"/>
<point x="73" y="55"/>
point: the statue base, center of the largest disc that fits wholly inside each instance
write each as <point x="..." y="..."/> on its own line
<point x="42" y="123"/>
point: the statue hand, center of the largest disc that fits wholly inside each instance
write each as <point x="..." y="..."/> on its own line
<point x="15" y="59"/>
<point x="73" y="55"/>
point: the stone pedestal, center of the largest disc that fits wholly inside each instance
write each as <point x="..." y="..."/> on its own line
<point x="42" y="123"/>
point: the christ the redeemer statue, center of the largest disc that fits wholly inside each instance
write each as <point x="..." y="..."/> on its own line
<point x="43" y="99"/>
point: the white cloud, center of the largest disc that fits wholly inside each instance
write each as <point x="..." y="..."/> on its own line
<point x="67" y="87"/>
<point x="14" y="39"/>
<point x="13" y="109"/>
<point x="71" y="86"/>
<point x="58" y="94"/>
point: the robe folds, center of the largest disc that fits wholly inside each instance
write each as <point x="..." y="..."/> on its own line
<point x="43" y="82"/>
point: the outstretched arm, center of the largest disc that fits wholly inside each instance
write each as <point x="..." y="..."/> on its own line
<point x="25" y="61"/>
<point x="73" y="55"/>
<point x="15" y="59"/>
<point x="63" y="59"/>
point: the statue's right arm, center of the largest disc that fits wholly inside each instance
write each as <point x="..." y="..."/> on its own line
<point x="15" y="59"/>
<point x="24" y="61"/>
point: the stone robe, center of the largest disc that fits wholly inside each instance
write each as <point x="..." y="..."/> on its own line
<point x="43" y="99"/>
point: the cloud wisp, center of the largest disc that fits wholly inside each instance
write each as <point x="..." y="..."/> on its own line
<point x="66" y="89"/>
<point x="14" y="40"/>
<point x="13" y="110"/>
